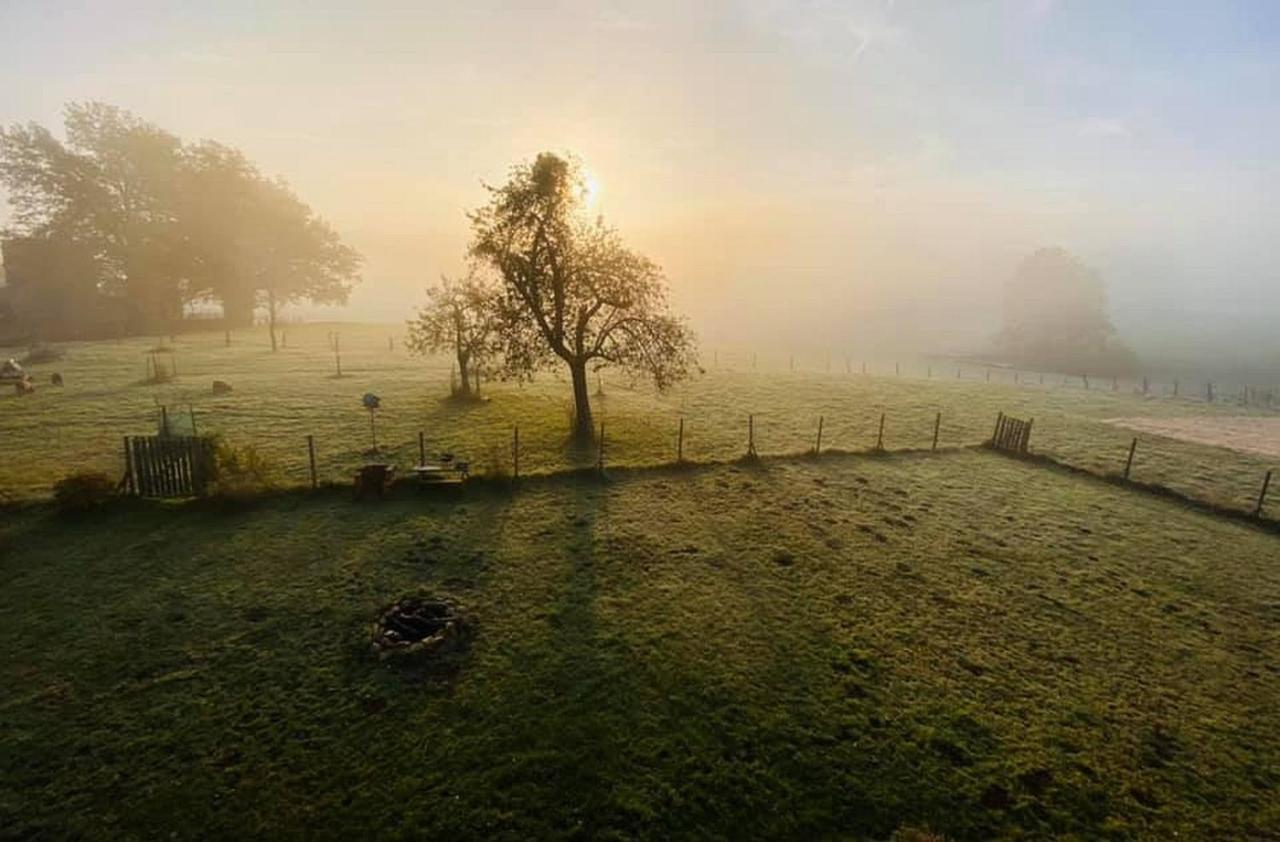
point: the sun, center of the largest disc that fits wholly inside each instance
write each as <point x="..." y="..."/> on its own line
<point x="590" y="190"/>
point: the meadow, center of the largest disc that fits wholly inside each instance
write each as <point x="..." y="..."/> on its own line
<point x="278" y="399"/>
<point x="854" y="646"/>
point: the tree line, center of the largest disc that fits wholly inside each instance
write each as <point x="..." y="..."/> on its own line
<point x="120" y="226"/>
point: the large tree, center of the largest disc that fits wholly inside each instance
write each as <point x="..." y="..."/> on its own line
<point x="168" y="223"/>
<point x="571" y="291"/>
<point x="1055" y="317"/>
<point x="286" y="253"/>
<point x="459" y="317"/>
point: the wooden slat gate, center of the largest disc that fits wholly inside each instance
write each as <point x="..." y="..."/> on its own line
<point x="1011" y="434"/>
<point x="168" y="466"/>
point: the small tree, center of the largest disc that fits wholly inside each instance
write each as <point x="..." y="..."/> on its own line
<point x="571" y="291"/>
<point x="459" y="317"/>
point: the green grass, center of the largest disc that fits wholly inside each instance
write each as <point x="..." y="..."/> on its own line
<point x="281" y="398"/>
<point x="799" y="648"/>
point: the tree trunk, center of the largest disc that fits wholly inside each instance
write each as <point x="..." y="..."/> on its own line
<point x="464" y="373"/>
<point x="271" y="318"/>
<point x="583" y="428"/>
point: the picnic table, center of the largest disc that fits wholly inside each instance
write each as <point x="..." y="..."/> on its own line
<point x="443" y="473"/>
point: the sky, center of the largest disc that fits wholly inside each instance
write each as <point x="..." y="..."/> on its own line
<point x="821" y="173"/>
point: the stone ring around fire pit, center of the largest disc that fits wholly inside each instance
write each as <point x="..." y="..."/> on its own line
<point x="416" y="625"/>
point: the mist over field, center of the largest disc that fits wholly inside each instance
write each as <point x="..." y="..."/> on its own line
<point x="815" y="177"/>
<point x="833" y="419"/>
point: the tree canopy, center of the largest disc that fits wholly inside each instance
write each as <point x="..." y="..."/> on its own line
<point x="1056" y="318"/>
<point x="162" y="223"/>
<point x="572" y="292"/>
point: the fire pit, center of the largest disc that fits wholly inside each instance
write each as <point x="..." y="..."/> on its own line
<point x="417" y="625"/>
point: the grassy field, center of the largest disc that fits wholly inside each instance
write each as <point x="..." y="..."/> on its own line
<point x="846" y="646"/>
<point x="280" y="398"/>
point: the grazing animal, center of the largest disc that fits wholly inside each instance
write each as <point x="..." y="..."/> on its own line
<point x="24" y="386"/>
<point x="221" y="387"/>
<point x="57" y="378"/>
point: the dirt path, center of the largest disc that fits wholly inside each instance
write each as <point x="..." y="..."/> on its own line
<point x="1245" y="434"/>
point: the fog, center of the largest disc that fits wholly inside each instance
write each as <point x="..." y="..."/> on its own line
<point x="828" y="176"/>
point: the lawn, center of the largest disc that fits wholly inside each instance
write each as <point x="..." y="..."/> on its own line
<point x="281" y="398"/>
<point x="796" y="648"/>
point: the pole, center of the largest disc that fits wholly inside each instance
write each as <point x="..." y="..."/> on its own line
<point x="192" y="411"/>
<point x="337" y="354"/>
<point x="311" y="455"/>
<point x="515" y="453"/>
<point x="937" y="426"/>
<point x="1266" y="483"/>
<point x="600" y="460"/>
<point x="164" y="420"/>
<point x="818" y="447"/>
<point x="128" y="468"/>
<point x="422" y="449"/>
<point x="751" y="436"/>
<point x="880" y="435"/>
<point x="1128" y="465"/>
<point x="680" y="442"/>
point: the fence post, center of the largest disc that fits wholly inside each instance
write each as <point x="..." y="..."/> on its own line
<point x="164" y="420"/>
<point x="1208" y="391"/>
<point x="1175" y="387"/>
<point x="422" y="449"/>
<point x="937" y="426"/>
<point x="515" y="454"/>
<point x="600" y="458"/>
<point x="897" y="370"/>
<point x="880" y="435"/>
<point x="1128" y="465"/>
<point x="751" y="436"/>
<point x="337" y="354"/>
<point x="311" y="455"/>
<point x="995" y="434"/>
<point x="226" y="338"/>
<point x="128" y="468"/>
<point x="191" y="410"/>
<point x="1262" y="496"/>
<point x="680" y="443"/>
<point x="818" y="447"/>
<point x="1026" y="436"/>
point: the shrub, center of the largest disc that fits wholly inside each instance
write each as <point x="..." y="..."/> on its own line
<point x="84" y="491"/>
<point x="240" y="471"/>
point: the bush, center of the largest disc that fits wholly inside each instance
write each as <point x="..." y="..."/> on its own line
<point x="240" y="471"/>
<point x="84" y="491"/>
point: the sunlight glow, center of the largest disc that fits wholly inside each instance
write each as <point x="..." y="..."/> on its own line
<point x="590" y="190"/>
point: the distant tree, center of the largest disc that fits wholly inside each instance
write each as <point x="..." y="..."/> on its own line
<point x="1056" y="318"/>
<point x="108" y="191"/>
<point x="166" y="224"/>
<point x="288" y="254"/>
<point x="460" y="317"/>
<point x="571" y="291"/>
<point x="51" y="282"/>
<point x="250" y="241"/>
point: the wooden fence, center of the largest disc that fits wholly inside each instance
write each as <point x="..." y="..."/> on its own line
<point x="1011" y="434"/>
<point x="168" y="466"/>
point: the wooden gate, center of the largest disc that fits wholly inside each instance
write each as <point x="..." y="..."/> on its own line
<point x="1011" y="434"/>
<point x="168" y="466"/>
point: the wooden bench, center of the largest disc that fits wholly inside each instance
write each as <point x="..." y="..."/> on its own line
<point x="450" y="474"/>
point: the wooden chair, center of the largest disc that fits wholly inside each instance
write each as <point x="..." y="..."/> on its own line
<point x="373" y="478"/>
